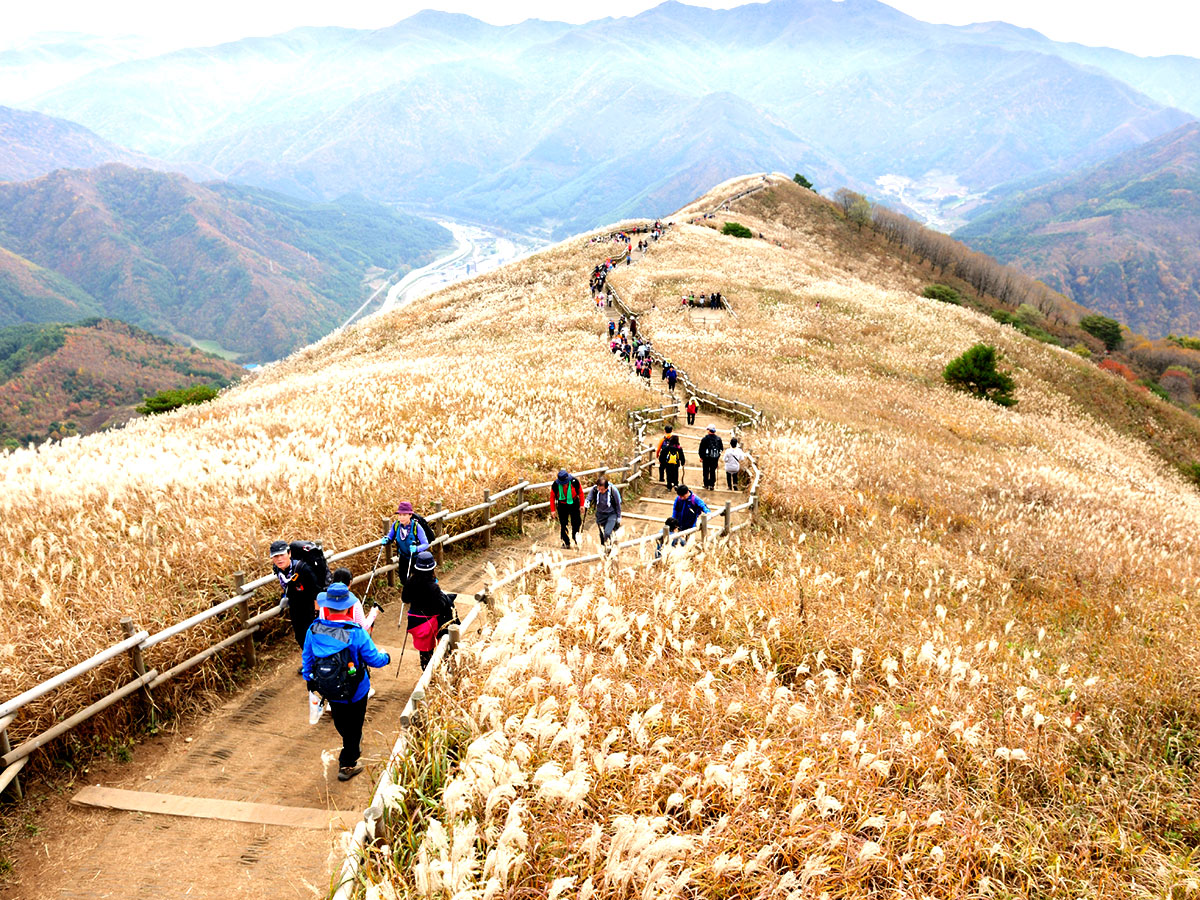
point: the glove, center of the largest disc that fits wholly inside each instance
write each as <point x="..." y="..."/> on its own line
<point x="383" y="542"/>
<point x="311" y="685"/>
<point x="389" y="662"/>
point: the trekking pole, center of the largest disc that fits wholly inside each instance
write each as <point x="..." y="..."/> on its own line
<point x="367" y="592"/>
<point x="404" y="646"/>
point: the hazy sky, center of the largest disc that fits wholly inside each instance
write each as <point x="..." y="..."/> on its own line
<point x="1158" y="27"/>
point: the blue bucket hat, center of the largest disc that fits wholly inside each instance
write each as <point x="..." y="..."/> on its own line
<point x="424" y="561"/>
<point x="338" y="596"/>
<point x="563" y="475"/>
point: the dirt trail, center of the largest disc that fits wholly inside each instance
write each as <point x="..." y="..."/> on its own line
<point x="258" y="747"/>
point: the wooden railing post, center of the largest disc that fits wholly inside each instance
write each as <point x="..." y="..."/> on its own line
<point x="439" y="528"/>
<point x="136" y="659"/>
<point x="487" y="514"/>
<point x="703" y="527"/>
<point x="391" y="573"/>
<point x="249" y="655"/>
<point x="13" y="791"/>
<point x="520" y="513"/>
<point x="727" y="513"/>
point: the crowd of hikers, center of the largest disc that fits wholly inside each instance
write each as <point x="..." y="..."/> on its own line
<point x="704" y="301"/>
<point x="328" y="620"/>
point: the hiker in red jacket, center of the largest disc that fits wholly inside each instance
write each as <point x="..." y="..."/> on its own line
<point x="691" y="411"/>
<point x="566" y="499"/>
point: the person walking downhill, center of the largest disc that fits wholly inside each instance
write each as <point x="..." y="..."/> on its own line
<point x="711" y="448"/>
<point x="673" y="459"/>
<point x="566" y="498"/>
<point x="300" y="586"/>
<point x="687" y="508"/>
<point x="672" y="377"/>
<point x="691" y="410"/>
<point x="409" y="537"/>
<point x="735" y="457"/>
<point x="607" y="501"/>
<point x="337" y="653"/>
<point x="429" y="607"/>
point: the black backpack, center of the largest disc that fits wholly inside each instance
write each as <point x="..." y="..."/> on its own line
<point x="310" y="552"/>
<point x="339" y="674"/>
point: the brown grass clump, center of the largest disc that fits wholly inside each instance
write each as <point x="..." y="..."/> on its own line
<point x="488" y="382"/>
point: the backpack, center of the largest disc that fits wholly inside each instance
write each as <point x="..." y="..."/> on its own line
<point x="310" y="552"/>
<point x="339" y="674"/>
<point x="672" y="457"/>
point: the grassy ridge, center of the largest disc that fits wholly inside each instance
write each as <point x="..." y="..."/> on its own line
<point x="958" y="658"/>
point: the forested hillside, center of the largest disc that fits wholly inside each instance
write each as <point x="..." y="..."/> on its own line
<point x="241" y="270"/>
<point x="1122" y="238"/>
<point x="59" y="380"/>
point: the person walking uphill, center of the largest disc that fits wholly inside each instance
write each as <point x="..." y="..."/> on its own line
<point x="429" y="607"/>
<point x="671" y="459"/>
<point x="711" y="448"/>
<point x="566" y="498"/>
<point x="735" y="458"/>
<point x="410" y="537"/>
<point x="300" y="585"/>
<point x="337" y="653"/>
<point x="607" y="501"/>
<point x="691" y="410"/>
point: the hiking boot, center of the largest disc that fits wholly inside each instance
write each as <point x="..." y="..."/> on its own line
<point x="345" y="773"/>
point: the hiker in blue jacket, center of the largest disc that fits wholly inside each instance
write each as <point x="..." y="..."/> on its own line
<point x="687" y="508"/>
<point x="409" y="536"/>
<point x="344" y="682"/>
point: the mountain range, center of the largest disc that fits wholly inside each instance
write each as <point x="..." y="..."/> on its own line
<point x="1122" y="237"/>
<point x="237" y="269"/>
<point x="561" y="127"/>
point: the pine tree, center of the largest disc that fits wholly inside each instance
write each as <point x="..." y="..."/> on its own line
<point x="975" y="372"/>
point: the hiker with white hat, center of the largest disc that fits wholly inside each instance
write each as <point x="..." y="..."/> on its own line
<point x="337" y="653"/>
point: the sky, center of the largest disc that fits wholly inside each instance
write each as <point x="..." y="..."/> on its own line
<point x="1160" y="27"/>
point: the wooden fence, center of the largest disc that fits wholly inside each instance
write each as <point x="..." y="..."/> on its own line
<point x="139" y="644"/>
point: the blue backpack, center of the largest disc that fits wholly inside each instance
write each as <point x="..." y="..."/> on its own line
<point x="339" y="674"/>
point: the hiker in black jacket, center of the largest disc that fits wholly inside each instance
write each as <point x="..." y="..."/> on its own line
<point x="300" y="588"/>
<point x="711" y="448"/>
<point x="429" y="607"/>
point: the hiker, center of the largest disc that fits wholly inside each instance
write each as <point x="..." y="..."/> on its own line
<point x="711" y="448"/>
<point x="735" y="456"/>
<point x="409" y="537"/>
<point x="430" y="608"/>
<point x="687" y="508"/>
<point x="336" y="656"/>
<point x="633" y="327"/>
<point x="658" y="451"/>
<point x="671" y="460"/>
<point x="607" y="501"/>
<point x="612" y="329"/>
<point x="566" y="497"/>
<point x="691" y="410"/>
<point x="300" y="585"/>
<point x="672" y="527"/>
<point x="672" y="377"/>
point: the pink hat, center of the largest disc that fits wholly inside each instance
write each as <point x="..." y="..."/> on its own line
<point x="404" y="507"/>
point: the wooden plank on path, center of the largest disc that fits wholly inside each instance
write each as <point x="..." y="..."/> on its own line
<point x="205" y="808"/>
